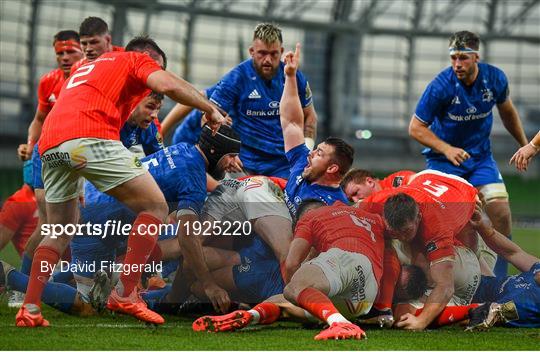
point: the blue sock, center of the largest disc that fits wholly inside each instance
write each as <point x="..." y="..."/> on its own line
<point x="154" y="297"/>
<point x="62" y="276"/>
<point x="59" y="296"/>
<point x="501" y="266"/>
<point x="26" y="264"/>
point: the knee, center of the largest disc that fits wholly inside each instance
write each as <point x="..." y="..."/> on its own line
<point x="500" y="215"/>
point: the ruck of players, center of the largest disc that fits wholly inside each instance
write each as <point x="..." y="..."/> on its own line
<point x="244" y="219"/>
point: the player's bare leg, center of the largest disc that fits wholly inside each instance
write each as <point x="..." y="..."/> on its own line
<point x="142" y="195"/>
<point x="46" y="256"/>
<point x="309" y="289"/>
<point x="498" y="211"/>
<point x="276" y="231"/>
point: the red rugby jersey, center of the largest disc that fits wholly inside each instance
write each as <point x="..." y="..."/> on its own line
<point x="19" y="214"/>
<point x="345" y="227"/>
<point x="84" y="60"/>
<point x="49" y="89"/>
<point x="97" y="99"/>
<point x="397" y="179"/>
<point x="446" y="203"/>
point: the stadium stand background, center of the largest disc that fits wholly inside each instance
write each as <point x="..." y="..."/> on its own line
<point x="367" y="61"/>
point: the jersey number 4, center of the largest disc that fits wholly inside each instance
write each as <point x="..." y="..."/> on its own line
<point x="83" y="71"/>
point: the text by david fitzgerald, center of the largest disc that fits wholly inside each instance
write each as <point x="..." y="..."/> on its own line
<point x="105" y="265"/>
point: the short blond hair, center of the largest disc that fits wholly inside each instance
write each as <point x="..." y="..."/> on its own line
<point x="268" y="33"/>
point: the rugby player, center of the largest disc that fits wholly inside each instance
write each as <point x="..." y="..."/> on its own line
<point x="68" y="51"/>
<point x="428" y="214"/>
<point x="140" y="134"/>
<point x="341" y="283"/>
<point x="315" y="174"/>
<point x="251" y="93"/>
<point x="359" y="184"/>
<point x="95" y="41"/>
<point x="101" y="94"/>
<point x="453" y="119"/>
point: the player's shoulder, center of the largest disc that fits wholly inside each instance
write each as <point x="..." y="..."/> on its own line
<point x="491" y="72"/>
<point x="444" y="79"/>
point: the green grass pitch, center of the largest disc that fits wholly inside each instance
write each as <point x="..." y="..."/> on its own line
<point x="116" y="332"/>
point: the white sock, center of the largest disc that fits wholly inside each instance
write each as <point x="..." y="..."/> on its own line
<point x="336" y="318"/>
<point x="256" y="316"/>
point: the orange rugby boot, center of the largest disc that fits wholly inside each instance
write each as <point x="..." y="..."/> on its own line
<point x="29" y="316"/>
<point x="341" y="331"/>
<point x="133" y="305"/>
<point x="219" y="323"/>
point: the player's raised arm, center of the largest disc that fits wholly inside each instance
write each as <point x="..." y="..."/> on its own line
<point x="182" y="92"/>
<point x="290" y="108"/>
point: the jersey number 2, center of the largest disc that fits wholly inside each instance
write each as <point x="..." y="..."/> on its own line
<point x="83" y="71"/>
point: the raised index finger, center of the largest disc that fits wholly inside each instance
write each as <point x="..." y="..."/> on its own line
<point x="297" y="52"/>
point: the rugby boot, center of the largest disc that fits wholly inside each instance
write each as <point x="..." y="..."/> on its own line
<point x="341" y="331"/>
<point x="133" y="305"/>
<point x="220" y="323"/>
<point x="29" y="316"/>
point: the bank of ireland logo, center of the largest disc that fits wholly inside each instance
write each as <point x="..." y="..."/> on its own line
<point x="78" y="159"/>
<point x="471" y="110"/>
<point x="487" y="95"/>
<point x="274" y="104"/>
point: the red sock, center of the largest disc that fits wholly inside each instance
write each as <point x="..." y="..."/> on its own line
<point x="38" y="277"/>
<point x="268" y="312"/>
<point x="451" y="314"/>
<point x="391" y="270"/>
<point x="316" y="303"/>
<point x="140" y="245"/>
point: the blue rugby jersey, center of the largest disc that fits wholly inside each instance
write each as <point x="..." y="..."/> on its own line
<point x="298" y="189"/>
<point x="253" y="103"/>
<point x="462" y="115"/>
